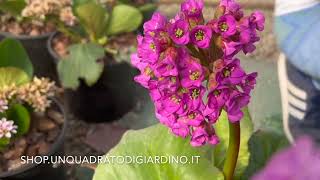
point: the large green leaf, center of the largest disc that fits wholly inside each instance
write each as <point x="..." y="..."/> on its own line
<point x="157" y="141"/>
<point x="222" y="129"/>
<point x="13" y="54"/>
<point x="262" y="145"/>
<point x="124" y="18"/>
<point x="21" y="117"/>
<point x="81" y="63"/>
<point x="94" y="18"/>
<point x="14" y="7"/>
<point x="12" y="76"/>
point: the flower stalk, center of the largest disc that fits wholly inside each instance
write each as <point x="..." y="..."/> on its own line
<point x="233" y="150"/>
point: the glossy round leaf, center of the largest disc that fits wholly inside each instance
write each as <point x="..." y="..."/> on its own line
<point x="13" y="54"/>
<point x="11" y="75"/>
<point x="94" y="18"/>
<point x="81" y="63"/>
<point x="124" y="18"/>
<point x="21" y="117"/>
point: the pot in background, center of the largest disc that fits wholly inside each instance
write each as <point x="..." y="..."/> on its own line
<point x="54" y="56"/>
<point x="113" y="95"/>
<point x="43" y="171"/>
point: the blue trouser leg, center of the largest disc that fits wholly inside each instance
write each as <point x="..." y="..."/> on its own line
<point x="298" y="36"/>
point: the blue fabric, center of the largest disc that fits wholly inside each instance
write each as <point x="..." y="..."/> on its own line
<point x="298" y="35"/>
<point x="310" y="124"/>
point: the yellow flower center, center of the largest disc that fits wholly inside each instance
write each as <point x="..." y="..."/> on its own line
<point x="193" y="10"/>
<point x="148" y="71"/>
<point x="152" y="46"/>
<point x="199" y="35"/>
<point x="175" y="99"/>
<point x="195" y="93"/>
<point x="173" y="79"/>
<point x="216" y="92"/>
<point x="183" y="91"/>
<point x="194" y="75"/>
<point x="179" y="33"/>
<point x="226" y="73"/>
<point x="224" y="27"/>
<point x="151" y="33"/>
<point x="192" y="115"/>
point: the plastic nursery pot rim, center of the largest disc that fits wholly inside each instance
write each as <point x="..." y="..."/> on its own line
<point x="55" y="56"/>
<point x="26" y="37"/>
<point x="55" y="146"/>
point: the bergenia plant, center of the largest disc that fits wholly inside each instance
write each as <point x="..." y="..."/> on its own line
<point x="20" y="92"/>
<point x="146" y="7"/>
<point x="186" y="60"/>
<point x="190" y="69"/>
<point x="94" y="26"/>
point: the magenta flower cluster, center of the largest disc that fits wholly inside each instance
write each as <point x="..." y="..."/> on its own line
<point x="190" y="69"/>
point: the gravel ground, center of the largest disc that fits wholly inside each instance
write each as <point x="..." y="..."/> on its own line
<point x="74" y="145"/>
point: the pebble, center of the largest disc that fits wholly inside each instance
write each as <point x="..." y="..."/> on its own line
<point x="22" y="142"/>
<point x="44" y="148"/>
<point x="46" y="125"/>
<point x="56" y="116"/>
<point x="15" y="29"/>
<point x="32" y="150"/>
<point x="34" y="137"/>
<point x="38" y="115"/>
<point x="26" y="28"/>
<point x="18" y="149"/>
<point x="14" y="164"/>
<point x="34" y="32"/>
<point x="53" y="134"/>
<point x="9" y="154"/>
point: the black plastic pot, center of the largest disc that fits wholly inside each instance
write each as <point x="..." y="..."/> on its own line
<point x="38" y="53"/>
<point x="43" y="171"/>
<point x="54" y="56"/>
<point x="114" y="94"/>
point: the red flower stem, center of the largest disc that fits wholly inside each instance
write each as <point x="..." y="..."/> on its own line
<point x="233" y="151"/>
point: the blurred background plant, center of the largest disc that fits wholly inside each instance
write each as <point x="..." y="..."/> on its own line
<point x="84" y="20"/>
<point x="89" y="38"/>
<point x="14" y="18"/>
<point x="20" y="92"/>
